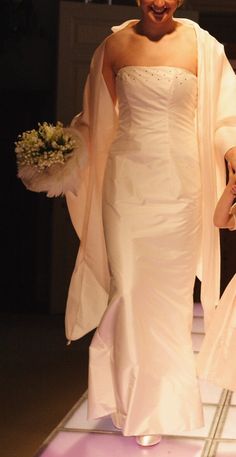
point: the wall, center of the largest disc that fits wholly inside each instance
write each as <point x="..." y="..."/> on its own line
<point x="28" y="55"/>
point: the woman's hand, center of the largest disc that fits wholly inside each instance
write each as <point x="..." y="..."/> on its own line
<point x="222" y="216"/>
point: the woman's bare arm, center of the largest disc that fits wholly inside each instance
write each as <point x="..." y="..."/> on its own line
<point x="222" y="216"/>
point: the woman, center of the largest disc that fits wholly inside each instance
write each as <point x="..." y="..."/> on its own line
<point x="215" y="362"/>
<point x="142" y="224"/>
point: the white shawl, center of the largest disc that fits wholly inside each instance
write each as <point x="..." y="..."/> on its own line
<point x="216" y="129"/>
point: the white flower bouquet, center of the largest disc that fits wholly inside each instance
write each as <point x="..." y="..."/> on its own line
<point x="48" y="159"/>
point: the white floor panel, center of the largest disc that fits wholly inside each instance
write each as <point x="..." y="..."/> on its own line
<point x="229" y="429"/>
<point x="233" y="399"/>
<point x="79" y="421"/>
<point x="226" y="450"/>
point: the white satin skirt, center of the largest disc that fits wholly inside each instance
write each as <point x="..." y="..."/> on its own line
<point x="142" y="365"/>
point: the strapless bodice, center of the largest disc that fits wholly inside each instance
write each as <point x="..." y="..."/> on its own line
<point x="155" y="100"/>
<point x="156" y="130"/>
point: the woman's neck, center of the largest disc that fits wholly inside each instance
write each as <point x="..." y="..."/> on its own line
<point x="155" y="31"/>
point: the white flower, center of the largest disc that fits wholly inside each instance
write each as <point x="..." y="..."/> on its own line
<point x="42" y="148"/>
<point x="48" y="131"/>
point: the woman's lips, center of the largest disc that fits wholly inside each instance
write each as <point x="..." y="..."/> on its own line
<point x="158" y="11"/>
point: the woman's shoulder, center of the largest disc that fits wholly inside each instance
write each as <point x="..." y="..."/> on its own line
<point x="119" y="40"/>
<point x="124" y="25"/>
<point x="113" y="43"/>
<point x="121" y="33"/>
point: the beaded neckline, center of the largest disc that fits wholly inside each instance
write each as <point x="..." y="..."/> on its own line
<point x="156" y="67"/>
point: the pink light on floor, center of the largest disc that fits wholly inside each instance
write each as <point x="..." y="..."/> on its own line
<point x="69" y="444"/>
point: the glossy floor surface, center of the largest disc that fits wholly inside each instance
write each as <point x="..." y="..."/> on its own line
<point x="76" y="436"/>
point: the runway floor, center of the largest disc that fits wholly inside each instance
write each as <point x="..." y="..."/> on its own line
<point x="77" y="437"/>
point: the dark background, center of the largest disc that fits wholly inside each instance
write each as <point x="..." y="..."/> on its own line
<point x="28" y="81"/>
<point x="35" y="384"/>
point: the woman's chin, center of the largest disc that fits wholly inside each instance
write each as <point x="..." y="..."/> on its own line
<point x="158" y="18"/>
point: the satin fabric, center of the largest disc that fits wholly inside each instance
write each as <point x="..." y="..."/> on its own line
<point x="216" y="361"/>
<point x="142" y="365"/>
<point x="216" y="126"/>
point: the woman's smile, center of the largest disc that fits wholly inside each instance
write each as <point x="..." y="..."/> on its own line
<point x="158" y="11"/>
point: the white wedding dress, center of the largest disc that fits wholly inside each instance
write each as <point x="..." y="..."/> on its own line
<point x="142" y="365"/>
